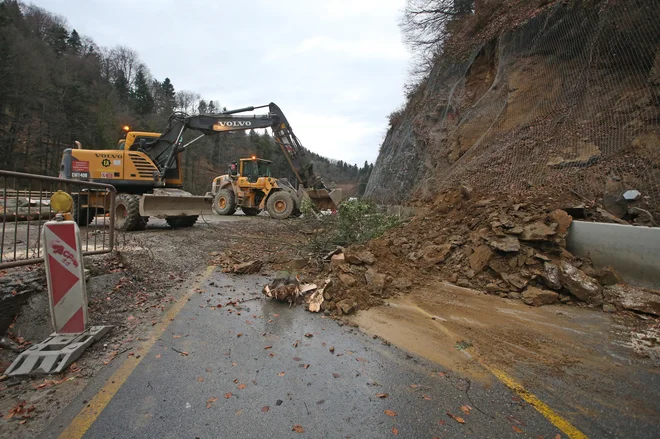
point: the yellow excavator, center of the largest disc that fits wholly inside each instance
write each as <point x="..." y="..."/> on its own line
<point x="145" y="169"/>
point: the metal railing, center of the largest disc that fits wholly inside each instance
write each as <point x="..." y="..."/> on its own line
<point x="25" y="207"/>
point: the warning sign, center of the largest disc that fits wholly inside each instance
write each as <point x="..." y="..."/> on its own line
<point x="79" y="166"/>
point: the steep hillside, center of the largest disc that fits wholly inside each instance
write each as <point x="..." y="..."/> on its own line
<point x="548" y="96"/>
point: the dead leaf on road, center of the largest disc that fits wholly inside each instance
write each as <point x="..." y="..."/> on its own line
<point x="456" y="418"/>
<point x="281" y="374"/>
<point x="268" y="347"/>
<point x="208" y="370"/>
<point x="306" y="366"/>
<point x="210" y="402"/>
<point x="200" y="379"/>
<point x="228" y="395"/>
<point x="389" y="412"/>
<point x="426" y="397"/>
<point x="240" y="386"/>
<point x="185" y="354"/>
<point x="298" y="428"/>
<point x="234" y="364"/>
<point x="395" y="431"/>
<point x="159" y="355"/>
<point x="176" y="336"/>
<point x="382" y="395"/>
<point x="466" y="409"/>
<point x="276" y="315"/>
<point x="332" y="349"/>
<point x="336" y="375"/>
<point x="516" y="429"/>
<point x="239" y="334"/>
<point x="414" y="386"/>
<point x="265" y="408"/>
<point x="296" y="359"/>
<point x="309" y="335"/>
<point x="441" y="374"/>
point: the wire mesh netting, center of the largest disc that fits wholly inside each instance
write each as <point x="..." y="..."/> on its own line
<point x="569" y="101"/>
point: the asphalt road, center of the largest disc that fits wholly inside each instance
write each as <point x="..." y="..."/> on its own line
<point x="289" y="367"/>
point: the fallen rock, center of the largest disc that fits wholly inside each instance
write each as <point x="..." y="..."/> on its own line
<point x="515" y="230"/>
<point x="563" y="221"/>
<point x="493" y="288"/>
<point x="346" y="306"/>
<point x="633" y="298"/>
<point x="536" y="297"/>
<point x="609" y="308"/>
<point x="358" y="257"/>
<point x="507" y="244"/>
<point x="347" y="279"/>
<point x="608" y="276"/>
<point x="551" y="276"/>
<point x="337" y="259"/>
<point x="434" y="254"/>
<point x="247" y="267"/>
<point x="466" y="191"/>
<point x="401" y="284"/>
<point x="515" y="280"/>
<point x="515" y="295"/>
<point x="538" y="231"/>
<point x="580" y="285"/>
<point x="463" y="283"/>
<point x="375" y="279"/>
<point x="480" y="258"/>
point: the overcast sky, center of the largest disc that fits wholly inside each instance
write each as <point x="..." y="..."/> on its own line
<point x="335" y="67"/>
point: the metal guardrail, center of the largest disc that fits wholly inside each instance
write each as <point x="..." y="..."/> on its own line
<point x="25" y="207"/>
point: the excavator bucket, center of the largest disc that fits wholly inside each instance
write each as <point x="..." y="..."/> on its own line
<point x="174" y="202"/>
<point x="325" y="200"/>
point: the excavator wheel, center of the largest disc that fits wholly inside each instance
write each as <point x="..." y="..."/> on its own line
<point x="177" y="222"/>
<point x="127" y="213"/>
<point x="280" y="205"/>
<point x="251" y="211"/>
<point x="224" y="202"/>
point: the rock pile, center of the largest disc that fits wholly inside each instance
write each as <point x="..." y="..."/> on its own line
<point x="513" y="249"/>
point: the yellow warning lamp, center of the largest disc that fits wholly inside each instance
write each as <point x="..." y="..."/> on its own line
<point x="254" y="157"/>
<point x="62" y="203"/>
<point x="126" y="128"/>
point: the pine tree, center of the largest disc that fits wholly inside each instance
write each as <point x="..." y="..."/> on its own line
<point x="168" y="97"/>
<point x="74" y="43"/>
<point x="202" y="107"/>
<point x="143" y="102"/>
<point x="212" y="109"/>
<point x="122" y="88"/>
<point x="57" y="39"/>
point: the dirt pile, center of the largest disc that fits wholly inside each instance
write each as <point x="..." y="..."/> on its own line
<point x="514" y="248"/>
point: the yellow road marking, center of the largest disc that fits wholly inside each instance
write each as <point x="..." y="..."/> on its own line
<point x="83" y="420"/>
<point x="540" y="406"/>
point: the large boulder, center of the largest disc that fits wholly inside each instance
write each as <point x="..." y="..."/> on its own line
<point x="538" y="231"/>
<point x="480" y="258"/>
<point x="583" y="287"/>
<point x="435" y="254"/>
<point x="375" y="279"/>
<point x="359" y="257"/>
<point x="507" y="244"/>
<point x="551" y="276"/>
<point x="536" y="297"/>
<point x="347" y="279"/>
<point x="633" y="298"/>
<point x="563" y="221"/>
<point x="346" y="306"/>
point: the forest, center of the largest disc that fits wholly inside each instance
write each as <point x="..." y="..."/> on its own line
<point x="58" y="87"/>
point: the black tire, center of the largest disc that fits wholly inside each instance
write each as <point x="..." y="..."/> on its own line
<point x="224" y="202"/>
<point x="177" y="222"/>
<point x="83" y="216"/>
<point x="280" y="205"/>
<point x="127" y="213"/>
<point x="251" y="211"/>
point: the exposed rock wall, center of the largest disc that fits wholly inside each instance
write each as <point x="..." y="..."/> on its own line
<point x="565" y="100"/>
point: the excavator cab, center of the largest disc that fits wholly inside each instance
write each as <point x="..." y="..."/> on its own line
<point x="254" y="168"/>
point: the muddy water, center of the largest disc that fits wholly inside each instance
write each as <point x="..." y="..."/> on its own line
<point x="581" y="359"/>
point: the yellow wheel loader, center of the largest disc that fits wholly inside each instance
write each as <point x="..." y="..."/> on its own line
<point x="249" y="186"/>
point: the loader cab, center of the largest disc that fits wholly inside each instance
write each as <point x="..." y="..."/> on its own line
<point x="254" y="168"/>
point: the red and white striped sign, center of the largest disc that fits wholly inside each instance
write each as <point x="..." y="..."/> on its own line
<point x="66" y="276"/>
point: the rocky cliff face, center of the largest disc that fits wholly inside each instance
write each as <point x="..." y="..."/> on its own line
<point x="564" y="100"/>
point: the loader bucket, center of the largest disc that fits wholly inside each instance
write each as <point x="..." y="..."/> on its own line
<point x="325" y="200"/>
<point x="174" y="203"/>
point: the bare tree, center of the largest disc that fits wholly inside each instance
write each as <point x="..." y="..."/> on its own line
<point x="187" y="100"/>
<point x="424" y="22"/>
<point x="126" y="60"/>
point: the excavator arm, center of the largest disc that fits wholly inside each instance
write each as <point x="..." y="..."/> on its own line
<point x="164" y="149"/>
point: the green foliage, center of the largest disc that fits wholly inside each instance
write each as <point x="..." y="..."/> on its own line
<point x="360" y="221"/>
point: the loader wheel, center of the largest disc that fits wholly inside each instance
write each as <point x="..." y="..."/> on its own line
<point x="177" y="222"/>
<point x="251" y="211"/>
<point x="224" y="202"/>
<point x="280" y="205"/>
<point x="127" y="213"/>
<point x="83" y="216"/>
